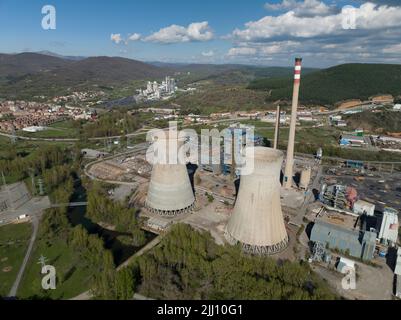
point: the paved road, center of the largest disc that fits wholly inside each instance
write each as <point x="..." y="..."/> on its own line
<point x="134" y="134"/>
<point x="35" y="226"/>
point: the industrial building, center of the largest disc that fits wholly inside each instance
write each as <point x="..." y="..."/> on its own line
<point x="257" y="221"/>
<point x="397" y="272"/>
<point x="397" y="269"/>
<point x="389" y="226"/>
<point x="348" y="140"/>
<point x="345" y="263"/>
<point x="363" y="207"/>
<point x="359" y="244"/>
<point x="155" y="91"/>
<point x="233" y="149"/>
<point x="338" y="196"/>
<point x="158" y="224"/>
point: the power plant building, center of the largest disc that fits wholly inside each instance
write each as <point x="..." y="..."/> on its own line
<point x="257" y="220"/>
<point x="363" y="207"/>
<point x="389" y="226"/>
<point x="359" y="244"/>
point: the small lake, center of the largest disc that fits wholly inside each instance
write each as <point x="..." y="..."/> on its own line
<point x="77" y="216"/>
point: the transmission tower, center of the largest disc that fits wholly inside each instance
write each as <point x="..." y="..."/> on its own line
<point x="13" y="135"/>
<point x="41" y="187"/>
<point x="32" y="174"/>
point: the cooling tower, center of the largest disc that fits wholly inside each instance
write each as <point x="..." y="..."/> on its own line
<point x="257" y="220"/>
<point x="170" y="191"/>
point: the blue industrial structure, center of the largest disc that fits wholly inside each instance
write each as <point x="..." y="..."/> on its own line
<point x="359" y="244"/>
<point x="354" y="164"/>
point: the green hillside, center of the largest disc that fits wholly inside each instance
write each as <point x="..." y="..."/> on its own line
<point x="328" y="86"/>
<point x="386" y="121"/>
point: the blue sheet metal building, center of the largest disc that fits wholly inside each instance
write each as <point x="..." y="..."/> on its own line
<point x="360" y="244"/>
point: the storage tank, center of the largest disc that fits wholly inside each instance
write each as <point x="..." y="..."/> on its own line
<point x="305" y="178"/>
<point x="170" y="191"/>
<point x="257" y="221"/>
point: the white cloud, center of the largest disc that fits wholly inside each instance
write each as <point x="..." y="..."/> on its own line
<point x="116" y="37"/>
<point x="241" y="51"/>
<point x="304" y="8"/>
<point x="264" y="50"/>
<point x="369" y="16"/>
<point x="208" y="53"/>
<point x="134" y="37"/>
<point x="396" y="48"/>
<point x="197" y="31"/>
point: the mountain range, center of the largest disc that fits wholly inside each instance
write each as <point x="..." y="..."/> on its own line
<point x="336" y="84"/>
<point x="29" y="74"/>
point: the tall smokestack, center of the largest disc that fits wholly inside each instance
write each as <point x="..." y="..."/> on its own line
<point x="288" y="174"/>
<point x="277" y="130"/>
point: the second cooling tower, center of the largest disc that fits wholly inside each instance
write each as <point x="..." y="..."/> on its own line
<point x="170" y="191"/>
<point x="257" y="221"/>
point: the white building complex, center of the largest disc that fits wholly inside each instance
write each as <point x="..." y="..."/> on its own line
<point x="155" y="91"/>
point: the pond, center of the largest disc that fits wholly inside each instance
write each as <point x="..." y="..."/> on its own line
<point x="77" y="216"/>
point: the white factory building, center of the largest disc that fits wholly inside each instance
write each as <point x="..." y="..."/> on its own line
<point x="389" y="226"/>
<point x="155" y="91"/>
<point x="363" y="207"/>
<point x="34" y="129"/>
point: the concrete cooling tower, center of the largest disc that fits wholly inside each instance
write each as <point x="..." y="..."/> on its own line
<point x="257" y="220"/>
<point x="170" y="191"/>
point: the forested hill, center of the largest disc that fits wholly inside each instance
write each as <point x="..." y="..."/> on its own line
<point x="328" y="86"/>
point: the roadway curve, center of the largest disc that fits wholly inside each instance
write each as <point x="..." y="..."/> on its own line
<point x="35" y="224"/>
<point x="133" y="134"/>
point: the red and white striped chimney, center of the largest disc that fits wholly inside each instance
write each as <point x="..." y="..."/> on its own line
<point x="288" y="173"/>
<point x="297" y="72"/>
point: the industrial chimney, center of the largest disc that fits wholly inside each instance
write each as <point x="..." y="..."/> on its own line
<point x="170" y="191"/>
<point x="288" y="173"/>
<point x="257" y="221"/>
<point x="277" y="128"/>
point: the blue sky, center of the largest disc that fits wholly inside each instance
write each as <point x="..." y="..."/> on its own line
<point x="216" y="31"/>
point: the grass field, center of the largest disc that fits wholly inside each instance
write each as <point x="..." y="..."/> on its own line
<point x="72" y="279"/>
<point x="14" y="240"/>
